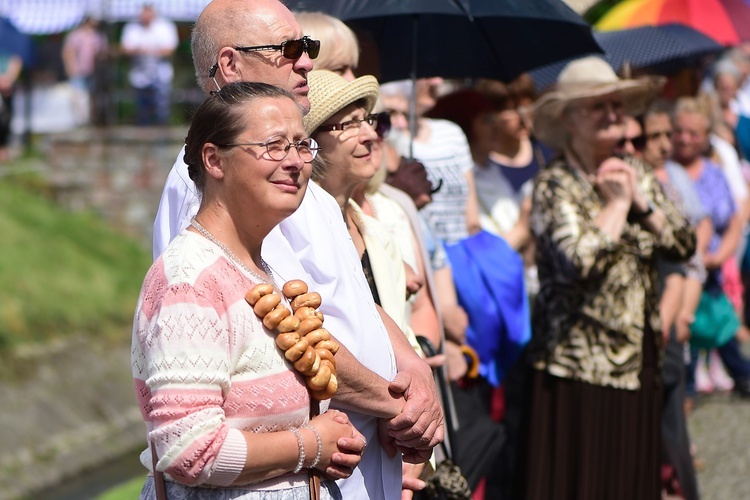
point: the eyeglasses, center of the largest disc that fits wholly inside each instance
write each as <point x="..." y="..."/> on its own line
<point x="371" y="119"/>
<point x="601" y="107"/>
<point x="638" y="142"/>
<point x="291" y="49"/>
<point x="278" y="147"/>
<point x="655" y="135"/>
<point x="383" y="124"/>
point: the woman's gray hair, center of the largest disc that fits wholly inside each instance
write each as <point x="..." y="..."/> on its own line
<point x="319" y="169"/>
<point x="726" y="66"/>
<point x="402" y="88"/>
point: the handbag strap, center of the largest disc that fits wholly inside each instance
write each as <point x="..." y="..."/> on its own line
<point x="314" y="486"/>
<point x="314" y="476"/>
<point x="159" y="483"/>
<point x="444" y="389"/>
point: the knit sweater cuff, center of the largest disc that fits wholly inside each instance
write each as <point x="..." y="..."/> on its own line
<point x="231" y="459"/>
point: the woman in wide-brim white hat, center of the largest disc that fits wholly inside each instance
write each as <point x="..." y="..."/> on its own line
<point x="600" y="222"/>
<point x="583" y="80"/>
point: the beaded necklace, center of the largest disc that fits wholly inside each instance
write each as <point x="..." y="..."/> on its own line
<point x="232" y="257"/>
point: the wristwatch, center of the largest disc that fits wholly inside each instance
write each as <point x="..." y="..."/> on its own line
<point x="634" y="216"/>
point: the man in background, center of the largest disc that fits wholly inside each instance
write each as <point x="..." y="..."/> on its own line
<point x="150" y="42"/>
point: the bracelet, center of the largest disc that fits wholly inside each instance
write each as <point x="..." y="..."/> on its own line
<point x="301" y="446"/>
<point x="634" y="216"/>
<point x="319" y="440"/>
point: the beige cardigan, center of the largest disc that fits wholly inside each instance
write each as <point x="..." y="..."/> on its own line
<point x="387" y="269"/>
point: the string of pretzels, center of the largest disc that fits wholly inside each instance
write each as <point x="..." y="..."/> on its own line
<point x="300" y="333"/>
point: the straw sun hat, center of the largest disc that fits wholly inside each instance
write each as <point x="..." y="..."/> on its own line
<point x="330" y="93"/>
<point x="582" y="79"/>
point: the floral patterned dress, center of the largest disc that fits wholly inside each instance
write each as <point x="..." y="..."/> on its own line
<point x="593" y="418"/>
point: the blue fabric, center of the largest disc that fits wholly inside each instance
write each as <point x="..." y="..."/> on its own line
<point x="716" y="196"/>
<point x="691" y="202"/>
<point x="742" y="133"/>
<point x="488" y="275"/>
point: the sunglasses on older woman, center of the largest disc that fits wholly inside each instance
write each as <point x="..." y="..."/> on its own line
<point x="638" y="142"/>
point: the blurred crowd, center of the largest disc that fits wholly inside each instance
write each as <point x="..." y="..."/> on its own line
<point x="83" y="60"/>
<point x="534" y="284"/>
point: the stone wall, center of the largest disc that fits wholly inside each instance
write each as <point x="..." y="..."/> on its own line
<point x="67" y="407"/>
<point x="118" y="172"/>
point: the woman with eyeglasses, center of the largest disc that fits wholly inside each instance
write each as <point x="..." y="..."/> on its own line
<point x="227" y="414"/>
<point x="600" y="222"/>
<point x="342" y="122"/>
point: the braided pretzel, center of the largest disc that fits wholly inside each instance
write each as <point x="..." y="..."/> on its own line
<point x="306" y="344"/>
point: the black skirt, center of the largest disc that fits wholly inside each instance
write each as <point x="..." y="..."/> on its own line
<point x="587" y="442"/>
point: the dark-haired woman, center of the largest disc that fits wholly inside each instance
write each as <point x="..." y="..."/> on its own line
<point x="226" y="414"/>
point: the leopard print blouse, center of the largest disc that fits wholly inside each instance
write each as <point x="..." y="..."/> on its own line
<point x="596" y="295"/>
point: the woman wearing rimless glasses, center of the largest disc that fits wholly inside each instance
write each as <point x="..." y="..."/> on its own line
<point x="226" y="413"/>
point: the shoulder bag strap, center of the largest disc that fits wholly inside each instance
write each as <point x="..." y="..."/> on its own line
<point x="161" y="487"/>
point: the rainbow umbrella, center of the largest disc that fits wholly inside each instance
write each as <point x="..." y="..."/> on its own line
<point x="726" y="21"/>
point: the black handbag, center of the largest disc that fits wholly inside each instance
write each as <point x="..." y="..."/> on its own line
<point x="472" y="444"/>
<point x="446" y="483"/>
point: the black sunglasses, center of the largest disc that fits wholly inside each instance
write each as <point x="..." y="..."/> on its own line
<point x="638" y="142"/>
<point x="383" y="125"/>
<point x="291" y="49"/>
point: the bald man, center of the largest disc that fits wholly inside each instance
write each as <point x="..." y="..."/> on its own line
<point x="385" y="388"/>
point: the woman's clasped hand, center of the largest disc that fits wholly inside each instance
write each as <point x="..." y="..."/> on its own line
<point x="616" y="181"/>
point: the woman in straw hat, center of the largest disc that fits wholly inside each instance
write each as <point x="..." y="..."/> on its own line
<point x="341" y="120"/>
<point x="227" y="415"/>
<point x="599" y="222"/>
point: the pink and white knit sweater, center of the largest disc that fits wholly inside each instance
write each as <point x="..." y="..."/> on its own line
<point x="204" y="367"/>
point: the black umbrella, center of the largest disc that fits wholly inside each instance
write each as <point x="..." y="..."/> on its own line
<point x="661" y="49"/>
<point x="462" y="38"/>
<point x="13" y="42"/>
<point x="497" y="39"/>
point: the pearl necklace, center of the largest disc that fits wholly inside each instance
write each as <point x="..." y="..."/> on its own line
<point x="232" y="256"/>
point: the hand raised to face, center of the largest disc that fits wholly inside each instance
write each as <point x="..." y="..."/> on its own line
<point x="616" y="181"/>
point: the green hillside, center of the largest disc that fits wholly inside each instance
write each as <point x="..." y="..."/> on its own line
<point x="62" y="273"/>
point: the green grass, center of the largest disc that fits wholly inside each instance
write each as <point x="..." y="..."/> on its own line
<point x="61" y="273"/>
<point x="125" y="491"/>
